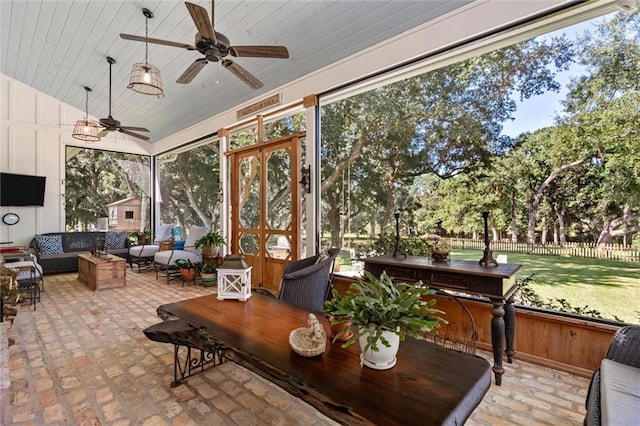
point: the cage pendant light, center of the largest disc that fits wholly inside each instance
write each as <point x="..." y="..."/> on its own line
<point x="86" y="130"/>
<point x="145" y="78"/>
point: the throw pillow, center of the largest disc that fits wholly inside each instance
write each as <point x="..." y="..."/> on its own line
<point x="49" y="244"/>
<point x="114" y="240"/>
<point x="164" y="232"/>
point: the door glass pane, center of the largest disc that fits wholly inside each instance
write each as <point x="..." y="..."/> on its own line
<point x="279" y="246"/>
<point x="249" y="243"/>
<point x="249" y="192"/>
<point x="279" y="200"/>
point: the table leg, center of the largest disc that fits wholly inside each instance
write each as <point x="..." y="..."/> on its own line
<point x="497" y="338"/>
<point x="509" y="327"/>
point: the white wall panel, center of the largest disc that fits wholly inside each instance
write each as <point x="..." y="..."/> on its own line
<point x="33" y="141"/>
<point x="23" y="104"/>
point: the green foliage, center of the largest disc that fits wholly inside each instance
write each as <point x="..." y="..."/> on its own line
<point x="209" y="268"/>
<point x="374" y="305"/>
<point x="413" y="245"/>
<point x="188" y="264"/>
<point x="212" y="238"/>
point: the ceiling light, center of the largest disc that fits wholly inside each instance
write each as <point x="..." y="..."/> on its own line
<point x="145" y="78"/>
<point x="86" y="130"/>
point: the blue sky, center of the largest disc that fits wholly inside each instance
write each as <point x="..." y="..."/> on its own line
<point x="539" y="111"/>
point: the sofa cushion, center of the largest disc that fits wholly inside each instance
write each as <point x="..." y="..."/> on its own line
<point x="619" y="393"/>
<point x="49" y="244"/>
<point x="114" y="240"/>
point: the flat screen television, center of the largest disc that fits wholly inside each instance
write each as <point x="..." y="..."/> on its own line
<point x="21" y="190"/>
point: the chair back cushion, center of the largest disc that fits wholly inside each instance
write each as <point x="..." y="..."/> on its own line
<point x="194" y="234"/>
<point x="164" y="232"/>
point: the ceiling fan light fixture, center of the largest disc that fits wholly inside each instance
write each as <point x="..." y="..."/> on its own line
<point x="145" y="78"/>
<point x="86" y="130"/>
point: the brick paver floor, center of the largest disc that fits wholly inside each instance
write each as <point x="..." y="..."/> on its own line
<point x="81" y="359"/>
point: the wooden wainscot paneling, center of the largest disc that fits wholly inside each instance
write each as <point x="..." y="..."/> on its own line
<point x="561" y="342"/>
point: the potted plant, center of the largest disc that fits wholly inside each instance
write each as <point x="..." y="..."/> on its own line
<point x="340" y="323"/>
<point x="209" y="275"/>
<point x="338" y="264"/>
<point x="141" y="237"/>
<point x="384" y="312"/>
<point x="188" y="269"/>
<point x="210" y="243"/>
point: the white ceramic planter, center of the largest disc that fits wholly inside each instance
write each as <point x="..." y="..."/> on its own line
<point x="385" y="357"/>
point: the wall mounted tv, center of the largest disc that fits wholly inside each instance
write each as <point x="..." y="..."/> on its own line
<point x="21" y="190"/>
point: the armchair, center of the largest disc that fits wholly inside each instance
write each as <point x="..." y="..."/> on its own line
<point x="165" y="261"/>
<point x="142" y="255"/>
<point x="307" y="283"/>
<point x="614" y="391"/>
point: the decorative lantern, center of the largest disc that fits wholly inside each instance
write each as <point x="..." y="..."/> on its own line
<point x="234" y="278"/>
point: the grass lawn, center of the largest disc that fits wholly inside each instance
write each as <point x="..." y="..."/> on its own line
<point x="611" y="287"/>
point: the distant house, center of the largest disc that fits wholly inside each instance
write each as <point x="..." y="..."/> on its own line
<point x="125" y="215"/>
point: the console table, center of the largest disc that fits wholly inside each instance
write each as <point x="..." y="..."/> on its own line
<point x="494" y="282"/>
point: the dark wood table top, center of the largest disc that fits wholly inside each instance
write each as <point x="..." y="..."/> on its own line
<point x="429" y="385"/>
<point x="503" y="270"/>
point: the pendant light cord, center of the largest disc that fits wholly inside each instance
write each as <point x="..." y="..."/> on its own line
<point x="146" y="44"/>
<point x="86" y="104"/>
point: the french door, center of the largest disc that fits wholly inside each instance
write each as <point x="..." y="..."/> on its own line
<point x="266" y="206"/>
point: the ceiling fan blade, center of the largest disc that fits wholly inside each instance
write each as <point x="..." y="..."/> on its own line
<point x="200" y="17"/>
<point x="279" y="52"/>
<point x="103" y="133"/>
<point x="156" y="41"/>
<point x="137" y="129"/>
<point x="242" y="74"/>
<point x="191" y="72"/>
<point x="135" y="135"/>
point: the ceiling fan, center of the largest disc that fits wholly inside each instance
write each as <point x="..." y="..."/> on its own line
<point x="215" y="47"/>
<point x="110" y="124"/>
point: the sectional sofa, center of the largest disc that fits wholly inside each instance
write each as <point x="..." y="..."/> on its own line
<point x="58" y="251"/>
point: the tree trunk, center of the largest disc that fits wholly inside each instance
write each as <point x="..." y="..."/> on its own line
<point x="514" y="219"/>
<point x="619" y="226"/>
<point x="562" y="229"/>
<point x="536" y="199"/>
<point x="545" y="231"/>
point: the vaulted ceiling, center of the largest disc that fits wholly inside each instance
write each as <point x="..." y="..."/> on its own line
<point x="58" y="47"/>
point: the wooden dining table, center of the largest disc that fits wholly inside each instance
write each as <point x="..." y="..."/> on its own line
<point x="429" y="385"/>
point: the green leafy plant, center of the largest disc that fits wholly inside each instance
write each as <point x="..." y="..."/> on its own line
<point x="375" y="305"/>
<point x="208" y="268"/>
<point x="188" y="264"/>
<point x="212" y="238"/>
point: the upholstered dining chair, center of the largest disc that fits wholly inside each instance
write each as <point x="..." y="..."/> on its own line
<point x="165" y="261"/>
<point x="307" y="283"/>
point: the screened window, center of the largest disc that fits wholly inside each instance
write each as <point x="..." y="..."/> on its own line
<point x="536" y="133"/>
<point x="97" y="182"/>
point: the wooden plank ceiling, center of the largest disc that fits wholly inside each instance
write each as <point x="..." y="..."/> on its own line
<point x="58" y="47"/>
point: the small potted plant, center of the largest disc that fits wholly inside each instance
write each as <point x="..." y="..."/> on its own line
<point x="210" y="243"/>
<point x="188" y="269"/>
<point x="340" y="323"/>
<point x="209" y="275"/>
<point x="384" y="312"/>
<point x="338" y="264"/>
